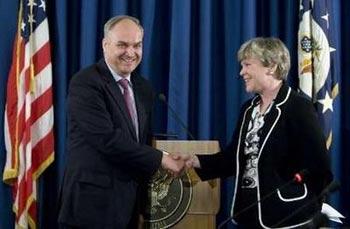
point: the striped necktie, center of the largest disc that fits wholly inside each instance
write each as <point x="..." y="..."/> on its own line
<point x="124" y="83"/>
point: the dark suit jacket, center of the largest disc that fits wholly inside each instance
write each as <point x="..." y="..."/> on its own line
<point x="105" y="163"/>
<point x="291" y="140"/>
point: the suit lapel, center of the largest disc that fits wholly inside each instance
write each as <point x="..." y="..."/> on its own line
<point x="116" y="94"/>
<point x="273" y="116"/>
<point x="274" y="113"/>
<point x="270" y="120"/>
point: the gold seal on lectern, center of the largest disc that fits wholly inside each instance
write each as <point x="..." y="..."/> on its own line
<point x="168" y="200"/>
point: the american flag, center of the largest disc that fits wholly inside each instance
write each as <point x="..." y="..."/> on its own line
<point x="317" y="55"/>
<point x="29" y="111"/>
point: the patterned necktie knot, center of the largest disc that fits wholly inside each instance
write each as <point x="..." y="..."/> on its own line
<point x="124" y="83"/>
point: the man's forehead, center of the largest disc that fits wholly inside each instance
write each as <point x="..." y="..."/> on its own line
<point x="125" y="33"/>
<point x="120" y="38"/>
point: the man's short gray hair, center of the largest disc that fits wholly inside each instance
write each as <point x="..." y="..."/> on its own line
<point x="115" y="20"/>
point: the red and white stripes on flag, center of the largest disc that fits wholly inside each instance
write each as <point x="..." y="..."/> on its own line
<point x="29" y="111"/>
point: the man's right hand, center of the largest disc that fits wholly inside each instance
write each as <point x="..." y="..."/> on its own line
<point x="173" y="166"/>
<point x="191" y="160"/>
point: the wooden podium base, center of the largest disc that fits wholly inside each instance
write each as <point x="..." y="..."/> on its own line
<point x="205" y="202"/>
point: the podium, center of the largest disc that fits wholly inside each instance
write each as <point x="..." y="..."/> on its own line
<point x="205" y="202"/>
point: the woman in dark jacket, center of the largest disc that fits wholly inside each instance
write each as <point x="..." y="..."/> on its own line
<point x="277" y="137"/>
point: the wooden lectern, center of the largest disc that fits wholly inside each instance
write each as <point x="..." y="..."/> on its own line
<point x="205" y="202"/>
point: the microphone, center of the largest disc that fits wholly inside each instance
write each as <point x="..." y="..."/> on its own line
<point x="164" y="136"/>
<point x="334" y="185"/>
<point x="162" y="98"/>
<point x="298" y="177"/>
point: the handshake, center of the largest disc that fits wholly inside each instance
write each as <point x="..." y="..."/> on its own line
<point x="176" y="163"/>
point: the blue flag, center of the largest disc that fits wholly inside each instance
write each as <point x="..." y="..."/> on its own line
<point x="319" y="71"/>
<point x="318" y="77"/>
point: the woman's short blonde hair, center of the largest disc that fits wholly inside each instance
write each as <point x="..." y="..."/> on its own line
<point x="270" y="51"/>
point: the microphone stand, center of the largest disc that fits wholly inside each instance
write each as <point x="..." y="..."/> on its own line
<point x="162" y="98"/>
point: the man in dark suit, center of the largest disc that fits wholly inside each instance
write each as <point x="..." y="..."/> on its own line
<point x="109" y="115"/>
